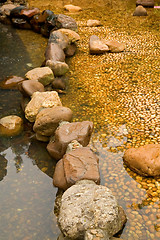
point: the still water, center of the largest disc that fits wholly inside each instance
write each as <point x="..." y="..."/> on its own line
<point x="118" y="92"/>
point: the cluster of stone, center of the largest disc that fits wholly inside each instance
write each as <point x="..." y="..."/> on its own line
<point x="141" y="5"/>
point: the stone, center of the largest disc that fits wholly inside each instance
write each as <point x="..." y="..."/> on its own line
<point x="48" y="119"/>
<point x="7" y="8"/>
<point x="72" y="8"/>
<point x="96" y="46"/>
<point x="11" y="82"/>
<point x="144" y="160"/>
<point x="39" y="101"/>
<point x="80" y="131"/>
<point x="20" y="23"/>
<point x="59" y="68"/>
<point x="72" y="35"/>
<point x="145" y="3"/>
<point x="36" y="26"/>
<point x="44" y="15"/>
<point x="76" y="165"/>
<point x="42" y="138"/>
<point x="70" y="50"/>
<point x="54" y="53"/>
<point x="64" y="21"/>
<point x="28" y="87"/>
<point x="114" y="46"/>
<point x="16" y="12"/>
<point x="4" y="19"/>
<point x="29" y="12"/>
<point x="59" y="83"/>
<point x="11" y="125"/>
<point x="24" y="102"/>
<point x="93" y="23"/>
<point x="140" y="11"/>
<point x="58" y="37"/>
<point x="49" y="25"/>
<point x="42" y="74"/>
<point x="89" y="211"/>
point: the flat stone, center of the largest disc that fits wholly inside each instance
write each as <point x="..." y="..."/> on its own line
<point x="144" y="160"/>
<point x="96" y="46"/>
<point x="11" y="82"/>
<point x="39" y="101"/>
<point x="114" y="46"/>
<point x="72" y="8"/>
<point x="93" y="23"/>
<point x="48" y="119"/>
<point x="80" y="131"/>
<point x="140" y="11"/>
<point x="43" y="74"/>
<point x="145" y="3"/>
<point x="11" y="125"/>
<point x="28" y="87"/>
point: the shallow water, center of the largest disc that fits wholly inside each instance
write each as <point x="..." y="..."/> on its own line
<point x="118" y="92"/>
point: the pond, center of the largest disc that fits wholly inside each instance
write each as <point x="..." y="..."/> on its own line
<point x="119" y="92"/>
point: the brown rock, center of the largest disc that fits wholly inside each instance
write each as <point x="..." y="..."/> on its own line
<point x="54" y="53"/>
<point x="28" y="13"/>
<point x="93" y="23"/>
<point x="64" y="21"/>
<point x="42" y="138"/>
<point x="140" y="11"/>
<point x="11" y="125"/>
<point x="72" y="35"/>
<point x="58" y="37"/>
<point x="80" y="131"/>
<point x="59" y="83"/>
<point x="11" y="82"/>
<point x="70" y="50"/>
<point x="114" y="46"/>
<point x="144" y="160"/>
<point x="72" y="8"/>
<point x="28" y="87"/>
<point x="145" y="3"/>
<point x="96" y="46"/>
<point x="76" y="165"/>
<point x="20" y="23"/>
<point x="48" y="119"/>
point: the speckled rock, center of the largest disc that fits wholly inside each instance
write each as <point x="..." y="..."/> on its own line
<point x="145" y="3"/>
<point x="64" y="21"/>
<point x="76" y="165"/>
<point x="28" y="87"/>
<point x="140" y="11"/>
<point x="80" y="131"/>
<point x="93" y="23"/>
<point x="96" y="46"/>
<point x="144" y="160"/>
<point x="48" y="119"/>
<point x="72" y="8"/>
<point x="39" y="101"/>
<point x="43" y="74"/>
<point x="89" y="211"/>
<point x="11" y="125"/>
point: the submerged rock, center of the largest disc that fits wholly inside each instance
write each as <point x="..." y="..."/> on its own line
<point x="11" y="125"/>
<point x="11" y="82"/>
<point x="89" y="212"/>
<point x="144" y="160"/>
<point x="140" y="11"/>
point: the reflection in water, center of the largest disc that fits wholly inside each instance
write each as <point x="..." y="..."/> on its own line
<point x="3" y="167"/>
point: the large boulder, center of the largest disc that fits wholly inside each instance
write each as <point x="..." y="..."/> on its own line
<point x="89" y="211"/>
<point x="11" y="125"/>
<point x="76" y="165"/>
<point x="28" y="87"/>
<point x="48" y="119"/>
<point x="64" y="21"/>
<point x="39" y="101"/>
<point x="96" y="46"/>
<point x="145" y="3"/>
<point x="66" y="133"/>
<point x="144" y="160"/>
<point x="140" y="11"/>
<point x="42" y="74"/>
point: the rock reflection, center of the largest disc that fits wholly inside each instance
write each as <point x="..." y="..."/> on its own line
<point x="3" y="167"/>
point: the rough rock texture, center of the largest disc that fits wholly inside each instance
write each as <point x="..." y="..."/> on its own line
<point x="72" y="8"/>
<point x="80" y="131"/>
<point x="64" y="21"/>
<point x="140" y="11"/>
<point x="76" y="165"/>
<point x="145" y="3"/>
<point x="96" y="46"/>
<point x="114" y="46"/>
<point x="28" y="87"/>
<point x="144" y="160"/>
<point x="89" y="211"/>
<point x="93" y="23"/>
<point x="11" y="125"/>
<point x="48" y="119"/>
<point x="39" y="101"/>
<point x="43" y="74"/>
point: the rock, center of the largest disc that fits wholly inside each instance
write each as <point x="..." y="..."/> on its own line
<point x="93" y="23"/>
<point x="80" y="131"/>
<point x="114" y="46"/>
<point x="49" y="25"/>
<point x="59" y="83"/>
<point x="28" y="87"/>
<point x="64" y="21"/>
<point x="11" y="125"/>
<point x="54" y="53"/>
<point x="140" y="11"/>
<point x="72" y="35"/>
<point x="44" y="15"/>
<point x="36" y="26"/>
<point x="96" y="46"/>
<point x="39" y="101"/>
<point x="72" y="8"/>
<point x="4" y="19"/>
<point x="70" y="50"/>
<point x="42" y="138"/>
<point x="43" y="74"/>
<point x="59" y="68"/>
<point x="58" y="37"/>
<point x="11" y="82"/>
<point x="24" y="102"/>
<point x="76" y="165"/>
<point x="16" y="12"/>
<point x="144" y="160"/>
<point x="20" y="23"/>
<point x="48" y="119"/>
<point x="89" y="211"/>
<point x="145" y="3"/>
<point x="7" y="8"/>
<point x="29" y="12"/>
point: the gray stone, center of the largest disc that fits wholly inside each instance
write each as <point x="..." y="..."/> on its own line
<point x="64" y="21"/>
<point x="89" y="212"/>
